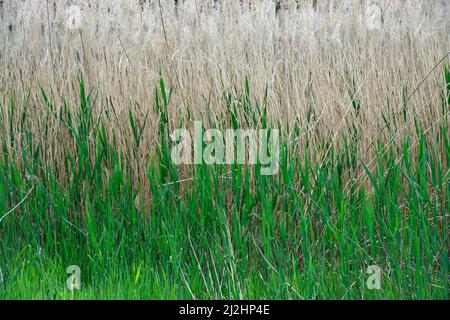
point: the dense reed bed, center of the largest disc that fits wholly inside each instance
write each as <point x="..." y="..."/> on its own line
<point x="86" y="176"/>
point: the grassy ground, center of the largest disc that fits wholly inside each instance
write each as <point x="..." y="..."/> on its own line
<point x="308" y="232"/>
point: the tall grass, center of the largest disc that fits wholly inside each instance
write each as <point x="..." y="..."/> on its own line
<point x="229" y="232"/>
<point x="86" y="177"/>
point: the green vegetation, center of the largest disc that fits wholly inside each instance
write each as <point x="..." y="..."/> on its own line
<point x="217" y="231"/>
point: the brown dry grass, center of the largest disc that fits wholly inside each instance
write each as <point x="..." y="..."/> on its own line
<point x="308" y="60"/>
